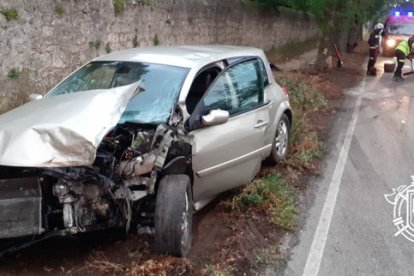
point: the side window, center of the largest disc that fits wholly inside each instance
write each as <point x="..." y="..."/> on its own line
<point x="222" y="95"/>
<point x="199" y="86"/>
<point x="263" y="73"/>
<point x="249" y="88"/>
<point x="238" y="89"/>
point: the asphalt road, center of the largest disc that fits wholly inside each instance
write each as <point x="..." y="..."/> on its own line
<point x="351" y="228"/>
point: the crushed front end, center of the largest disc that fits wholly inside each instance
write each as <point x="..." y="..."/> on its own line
<point x="117" y="190"/>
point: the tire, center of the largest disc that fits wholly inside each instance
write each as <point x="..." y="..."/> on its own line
<point x="389" y="67"/>
<point x="173" y="215"/>
<point x="280" y="146"/>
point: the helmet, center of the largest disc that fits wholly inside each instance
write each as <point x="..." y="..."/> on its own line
<point x="379" y="26"/>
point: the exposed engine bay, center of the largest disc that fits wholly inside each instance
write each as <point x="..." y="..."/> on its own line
<point x="118" y="190"/>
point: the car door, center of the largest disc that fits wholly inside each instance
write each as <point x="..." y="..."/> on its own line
<point x="229" y="154"/>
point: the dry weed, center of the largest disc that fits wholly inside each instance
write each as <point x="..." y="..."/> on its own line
<point x="98" y="262"/>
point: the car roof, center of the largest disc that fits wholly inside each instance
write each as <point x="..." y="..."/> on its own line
<point x="183" y="56"/>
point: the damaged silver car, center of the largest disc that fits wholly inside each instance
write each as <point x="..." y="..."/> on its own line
<point x="140" y="138"/>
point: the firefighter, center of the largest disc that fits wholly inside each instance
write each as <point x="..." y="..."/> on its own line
<point x="403" y="51"/>
<point x="374" y="45"/>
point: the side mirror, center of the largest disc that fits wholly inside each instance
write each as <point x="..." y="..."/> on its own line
<point x="215" y="117"/>
<point x="35" y="97"/>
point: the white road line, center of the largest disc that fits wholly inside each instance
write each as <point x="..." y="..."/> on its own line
<point x="321" y="234"/>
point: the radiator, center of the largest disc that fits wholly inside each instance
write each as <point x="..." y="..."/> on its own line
<point x="20" y="207"/>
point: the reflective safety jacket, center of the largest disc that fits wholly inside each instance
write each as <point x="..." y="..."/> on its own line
<point x="404" y="47"/>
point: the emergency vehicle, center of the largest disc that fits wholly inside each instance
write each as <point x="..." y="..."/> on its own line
<point x="397" y="27"/>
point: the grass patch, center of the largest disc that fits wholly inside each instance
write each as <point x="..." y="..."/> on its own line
<point x="304" y="99"/>
<point x="13" y="73"/>
<point x="210" y="269"/>
<point x="191" y="20"/>
<point x="95" y="44"/>
<point x="273" y="193"/>
<point x="59" y="10"/>
<point x="305" y="158"/>
<point x="9" y="13"/>
<point x="308" y="155"/>
<point x="145" y="2"/>
<point x="156" y="40"/>
<point x="18" y="85"/>
<point x="292" y="49"/>
<point x="119" y="6"/>
<point x="135" y="42"/>
<point x="297" y="128"/>
<point x="305" y="152"/>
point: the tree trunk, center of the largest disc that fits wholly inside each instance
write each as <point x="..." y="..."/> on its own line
<point x="354" y="33"/>
<point x="325" y="51"/>
<point x="334" y="31"/>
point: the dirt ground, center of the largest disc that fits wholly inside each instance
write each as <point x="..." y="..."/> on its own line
<point x="225" y="242"/>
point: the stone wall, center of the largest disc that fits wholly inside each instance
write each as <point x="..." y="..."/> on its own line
<point x="50" y="38"/>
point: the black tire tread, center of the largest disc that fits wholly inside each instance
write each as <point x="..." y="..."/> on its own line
<point x="170" y="203"/>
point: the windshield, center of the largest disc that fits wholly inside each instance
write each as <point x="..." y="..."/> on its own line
<point x="401" y="28"/>
<point x="160" y="86"/>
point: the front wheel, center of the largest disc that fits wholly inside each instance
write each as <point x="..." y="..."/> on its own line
<point x="173" y="215"/>
<point x="280" y="144"/>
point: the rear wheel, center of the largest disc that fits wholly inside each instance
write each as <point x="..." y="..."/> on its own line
<point x="173" y="215"/>
<point x="280" y="144"/>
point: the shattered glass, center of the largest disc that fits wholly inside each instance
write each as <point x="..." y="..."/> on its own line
<point x="160" y="86"/>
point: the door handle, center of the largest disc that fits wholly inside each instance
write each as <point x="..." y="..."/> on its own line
<point x="260" y="124"/>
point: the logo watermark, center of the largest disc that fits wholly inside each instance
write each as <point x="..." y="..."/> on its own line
<point x="402" y="199"/>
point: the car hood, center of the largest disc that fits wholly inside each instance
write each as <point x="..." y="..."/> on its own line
<point x="398" y="37"/>
<point x="61" y="130"/>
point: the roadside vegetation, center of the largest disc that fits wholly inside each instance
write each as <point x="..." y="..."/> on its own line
<point x="119" y="6"/>
<point x="273" y="193"/>
<point x="9" y="13"/>
<point x="59" y="10"/>
<point x="305" y="142"/>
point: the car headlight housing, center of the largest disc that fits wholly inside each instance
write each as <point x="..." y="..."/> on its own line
<point x="390" y="43"/>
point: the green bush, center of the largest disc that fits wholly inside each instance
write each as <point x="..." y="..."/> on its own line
<point x="95" y="44"/>
<point x="10" y="13"/>
<point x="156" y="40"/>
<point x="302" y="97"/>
<point x="274" y="193"/>
<point x="59" y="10"/>
<point x="119" y="6"/>
<point x="135" y="42"/>
<point x="13" y="73"/>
